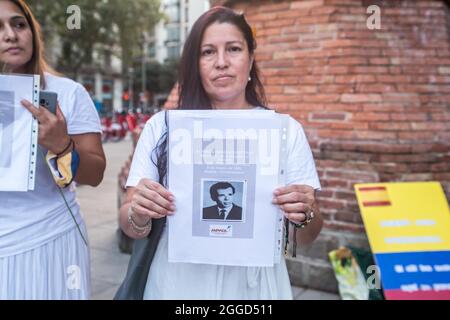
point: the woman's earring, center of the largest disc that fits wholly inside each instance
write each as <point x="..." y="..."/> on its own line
<point x="249" y="78"/>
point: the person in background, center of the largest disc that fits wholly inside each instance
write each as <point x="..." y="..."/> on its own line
<point x="44" y="251"/>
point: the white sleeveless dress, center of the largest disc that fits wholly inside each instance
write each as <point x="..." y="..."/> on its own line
<point x="42" y="254"/>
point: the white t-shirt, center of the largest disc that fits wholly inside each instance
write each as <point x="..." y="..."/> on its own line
<point x="31" y="219"/>
<point x="201" y="281"/>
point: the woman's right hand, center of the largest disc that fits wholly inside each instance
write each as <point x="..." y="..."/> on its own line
<point x="151" y="200"/>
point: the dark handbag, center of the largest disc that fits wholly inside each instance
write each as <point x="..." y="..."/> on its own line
<point x="133" y="285"/>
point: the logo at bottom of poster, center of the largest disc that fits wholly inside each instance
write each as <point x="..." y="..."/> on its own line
<point x="220" y="230"/>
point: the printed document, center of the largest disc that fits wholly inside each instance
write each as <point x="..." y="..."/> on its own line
<point x="223" y="168"/>
<point x="18" y="132"/>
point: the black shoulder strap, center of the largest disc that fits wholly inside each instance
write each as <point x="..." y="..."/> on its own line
<point x="133" y="286"/>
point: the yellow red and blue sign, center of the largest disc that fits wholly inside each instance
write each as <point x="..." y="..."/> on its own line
<point x="408" y="226"/>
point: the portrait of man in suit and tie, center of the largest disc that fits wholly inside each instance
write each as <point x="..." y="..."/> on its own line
<point x="223" y="193"/>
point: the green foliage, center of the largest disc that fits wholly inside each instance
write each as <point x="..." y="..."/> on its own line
<point x="160" y="78"/>
<point x="106" y="25"/>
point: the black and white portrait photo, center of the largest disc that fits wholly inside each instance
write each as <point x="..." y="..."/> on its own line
<point x="222" y="200"/>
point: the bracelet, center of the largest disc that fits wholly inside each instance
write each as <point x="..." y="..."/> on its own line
<point x="139" y="230"/>
<point x="66" y="148"/>
<point x="309" y="217"/>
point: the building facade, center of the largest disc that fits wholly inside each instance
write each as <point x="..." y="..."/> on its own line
<point x="104" y="81"/>
<point x="102" y="78"/>
<point x="170" y="33"/>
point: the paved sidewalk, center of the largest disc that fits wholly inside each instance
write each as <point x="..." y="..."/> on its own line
<point x="99" y="207"/>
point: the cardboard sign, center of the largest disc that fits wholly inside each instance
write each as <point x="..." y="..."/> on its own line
<point x="408" y="226"/>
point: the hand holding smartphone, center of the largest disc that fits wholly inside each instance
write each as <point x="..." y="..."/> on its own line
<point x="48" y="100"/>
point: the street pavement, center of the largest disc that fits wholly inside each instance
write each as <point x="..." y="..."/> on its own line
<point x="99" y="208"/>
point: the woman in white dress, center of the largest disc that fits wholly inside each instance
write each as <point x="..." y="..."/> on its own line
<point x="218" y="71"/>
<point x="43" y="241"/>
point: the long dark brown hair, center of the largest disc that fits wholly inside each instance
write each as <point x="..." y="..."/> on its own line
<point x="37" y="64"/>
<point x="191" y="94"/>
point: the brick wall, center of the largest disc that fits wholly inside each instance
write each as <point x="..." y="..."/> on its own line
<point x="374" y="103"/>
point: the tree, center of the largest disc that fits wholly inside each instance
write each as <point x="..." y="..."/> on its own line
<point x="132" y="18"/>
<point x="160" y="77"/>
<point x="115" y="26"/>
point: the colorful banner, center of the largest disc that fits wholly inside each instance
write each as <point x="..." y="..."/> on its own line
<point x="408" y="226"/>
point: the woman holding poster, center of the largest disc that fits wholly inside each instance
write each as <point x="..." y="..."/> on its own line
<point x="44" y="252"/>
<point x="218" y="71"/>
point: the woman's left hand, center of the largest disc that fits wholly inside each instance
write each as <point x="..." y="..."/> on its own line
<point x="297" y="201"/>
<point x="52" y="128"/>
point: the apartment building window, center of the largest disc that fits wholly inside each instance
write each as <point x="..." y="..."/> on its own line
<point x="151" y="50"/>
<point x="173" y="33"/>
<point x="172" y="2"/>
<point x="173" y="13"/>
<point x="173" y="52"/>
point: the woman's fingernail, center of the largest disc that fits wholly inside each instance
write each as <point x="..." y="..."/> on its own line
<point x="274" y="201"/>
<point x="173" y="208"/>
<point x="276" y="192"/>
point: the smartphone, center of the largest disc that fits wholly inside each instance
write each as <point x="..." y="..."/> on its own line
<point x="48" y="100"/>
